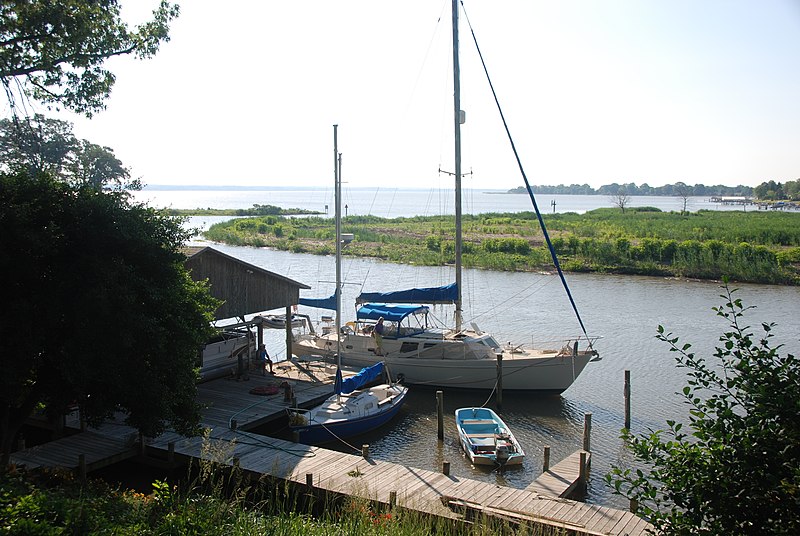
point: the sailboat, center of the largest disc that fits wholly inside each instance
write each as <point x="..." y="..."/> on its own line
<point x="459" y="357"/>
<point x="354" y="408"/>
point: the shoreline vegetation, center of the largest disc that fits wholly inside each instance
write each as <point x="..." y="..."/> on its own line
<point x="255" y="210"/>
<point x="750" y="247"/>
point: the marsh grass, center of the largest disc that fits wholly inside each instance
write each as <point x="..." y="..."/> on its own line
<point x="755" y="247"/>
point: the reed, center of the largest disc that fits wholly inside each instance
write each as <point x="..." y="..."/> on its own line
<point x="757" y="247"/>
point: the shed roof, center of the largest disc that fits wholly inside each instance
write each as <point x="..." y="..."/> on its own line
<point x="244" y="287"/>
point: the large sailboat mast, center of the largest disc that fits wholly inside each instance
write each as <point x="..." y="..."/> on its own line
<point x="337" y="170"/>
<point x="457" y="115"/>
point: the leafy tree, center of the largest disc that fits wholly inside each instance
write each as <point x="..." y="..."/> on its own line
<point x="737" y="471"/>
<point x="42" y="145"/>
<point x="98" y="310"/>
<point x="55" y="52"/>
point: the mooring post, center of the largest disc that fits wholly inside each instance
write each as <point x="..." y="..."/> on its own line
<point x="440" y="415"/>
<point x="587" y="431"/>
<point x="634" y="506"/>
<point x="446" y="468"/>
<point x="171" y="451"/>
<point x="627" y="399"/>
<point x="392" y="499"/>
<point x="310" y="481"/>
<point x="365" y="451"/>
<point x="546" y="462"/>
<point x="582" y="473"/>
<point x="234" y="424"/>
<point x="499" y="399"/>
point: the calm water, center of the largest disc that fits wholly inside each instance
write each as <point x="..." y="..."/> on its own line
<point x="391" y="203"/>
<point x="528" y="308"/>
<point x="525" y="307"/>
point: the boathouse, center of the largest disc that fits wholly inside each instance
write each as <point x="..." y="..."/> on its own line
<point x="245" y="288"/>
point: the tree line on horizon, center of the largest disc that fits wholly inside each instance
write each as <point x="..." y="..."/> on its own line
<point x="678" y="189"/>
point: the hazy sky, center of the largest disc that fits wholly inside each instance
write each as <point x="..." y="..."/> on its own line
<point x="246" y="93"/>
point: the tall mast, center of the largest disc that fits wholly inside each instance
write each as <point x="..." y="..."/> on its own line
<point x="457" y="120"/>
<point x="337" y="170"/>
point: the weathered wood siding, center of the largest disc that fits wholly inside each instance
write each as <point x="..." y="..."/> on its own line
<point x="245" y="288"/>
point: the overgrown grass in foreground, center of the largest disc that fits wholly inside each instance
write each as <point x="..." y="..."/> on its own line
<point x="219" y="501"/>
<point x="756" y="247"/>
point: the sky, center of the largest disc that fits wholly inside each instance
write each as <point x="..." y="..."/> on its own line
<point x="643" y="91"/>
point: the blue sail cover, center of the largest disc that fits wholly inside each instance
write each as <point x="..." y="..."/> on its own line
<point x="390" y="313"/>
<point x="365" y="375"/>
<point x="445" y="294"/>
<point x="320" y="303"/>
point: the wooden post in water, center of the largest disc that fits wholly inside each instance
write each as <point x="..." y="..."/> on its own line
<point x="634" y="506"/>
<point x="546" y="462"/>
<point x="587" y="431"/>
<point x="392" y="499"/>
<point x="627" y="399"/>
<point x="310" y="481"/>
<point x="582" y="474"/>
<point x="499" y="380"/>
<point x="440" y="415"/>
<point x="171" y="451"/>
<point x="446" y="468"/>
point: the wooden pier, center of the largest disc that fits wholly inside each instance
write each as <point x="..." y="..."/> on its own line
<point x="231" y="410"/>
<point x="564" y="478"/>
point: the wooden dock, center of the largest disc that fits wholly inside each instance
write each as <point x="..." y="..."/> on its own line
<point x="428" y="492"/>
<point x="563" y="479"/>
<point x="420" y="490"/>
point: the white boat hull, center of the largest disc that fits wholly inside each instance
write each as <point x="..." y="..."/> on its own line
<point x="454" y="364"/>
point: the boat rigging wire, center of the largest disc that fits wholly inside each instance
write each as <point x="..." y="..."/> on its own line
<point x="525" y="178"/>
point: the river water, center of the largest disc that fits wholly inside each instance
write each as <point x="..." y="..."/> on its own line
<point x="528" y="307"/>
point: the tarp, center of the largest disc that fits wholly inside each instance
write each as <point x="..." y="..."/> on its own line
<point x="320" y="303"/>
<point x="445" y="294"/>
<point x="365" y="376"/>
<point x="390" y="313"/>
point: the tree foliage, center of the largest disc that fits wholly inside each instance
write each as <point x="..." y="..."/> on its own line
<point x="736" y="468"/>
<point x="42" y="145"/>
<point x="55" y="52"/>
<point x="99" y="311"/>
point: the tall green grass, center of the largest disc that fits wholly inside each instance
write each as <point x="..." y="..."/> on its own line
<point x="756" y="246"/>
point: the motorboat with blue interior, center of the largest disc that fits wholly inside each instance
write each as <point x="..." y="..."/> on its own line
<point x="486" y="439"/>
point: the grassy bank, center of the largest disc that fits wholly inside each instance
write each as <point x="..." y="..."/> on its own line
<point x="756" y="246"/>
<point x="255" y="210"/>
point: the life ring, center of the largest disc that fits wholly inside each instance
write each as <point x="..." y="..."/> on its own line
<point x="265" y="390"/>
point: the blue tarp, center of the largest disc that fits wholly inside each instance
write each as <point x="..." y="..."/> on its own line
<point x="321" y="303"/>
<point x="365" y="375"/>
<point x="445" y="294"/>
<point x="390" y="313"/>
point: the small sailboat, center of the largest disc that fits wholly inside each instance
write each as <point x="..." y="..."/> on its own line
<point x="351" y="411"/>
<point x="486" y="439"/>
<point x="354" y="408"/>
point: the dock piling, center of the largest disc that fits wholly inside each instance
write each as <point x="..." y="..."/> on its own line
<point x="440" y="415"/>
<point x="546" y="462"/>
<point x="446" y="468"/>
<point x="365" y="451"/>
<point x="587" y="431"/>
<point x="499" y="398"/>
<point x="627" y="399"/>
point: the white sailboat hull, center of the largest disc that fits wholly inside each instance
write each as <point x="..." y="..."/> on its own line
<point x="424" y="360"/>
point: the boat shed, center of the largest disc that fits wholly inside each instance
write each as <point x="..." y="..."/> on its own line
<point x="243" y="287"/>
